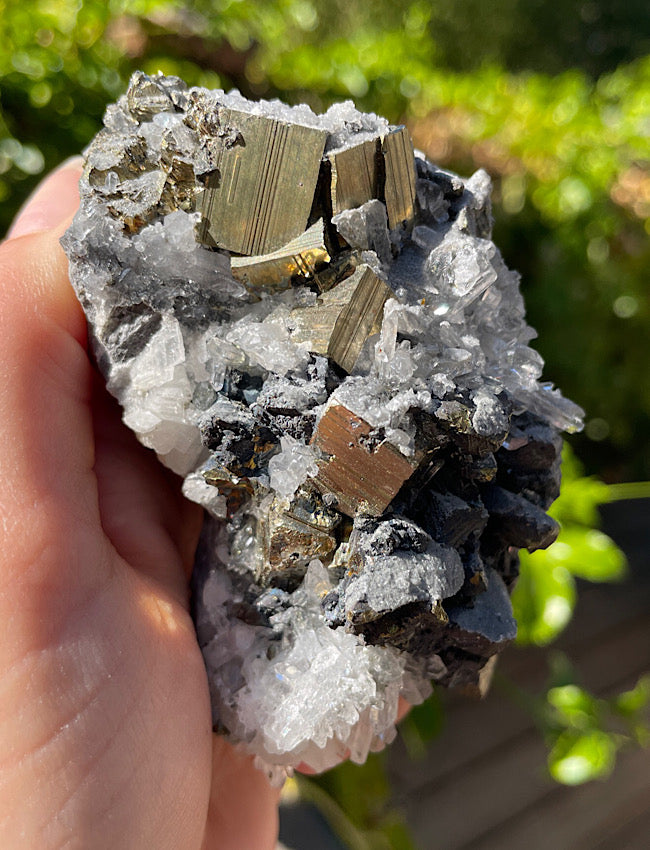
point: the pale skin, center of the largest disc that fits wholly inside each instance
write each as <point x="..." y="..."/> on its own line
<point x="105" y="729"/>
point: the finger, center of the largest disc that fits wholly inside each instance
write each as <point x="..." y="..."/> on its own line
<point x="50" y="203"/>
<point x="132" y="482"/>
<point x="45" y="378"/>
<point x="243" y="809"/>
<point x="403" y="708"/>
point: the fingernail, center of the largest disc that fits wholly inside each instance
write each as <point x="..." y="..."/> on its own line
<point x="54" y="200"/>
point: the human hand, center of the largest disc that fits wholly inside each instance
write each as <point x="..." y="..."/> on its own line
<point x="105" y="729"/>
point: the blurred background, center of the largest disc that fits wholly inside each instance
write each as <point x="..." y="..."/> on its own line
<point x="553" y="99"/>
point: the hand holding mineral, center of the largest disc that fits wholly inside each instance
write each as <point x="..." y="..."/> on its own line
<point x="106" y="735"/>
<point x="307" y="320"/>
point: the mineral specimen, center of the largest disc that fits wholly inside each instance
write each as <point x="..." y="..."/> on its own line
<point x="259" y="191"/>
<point x="360" y="471"/>
<point x="309" y="322"/>
<point x="349" y="313"/>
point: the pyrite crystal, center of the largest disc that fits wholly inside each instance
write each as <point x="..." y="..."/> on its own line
<point x="310" y="323"/>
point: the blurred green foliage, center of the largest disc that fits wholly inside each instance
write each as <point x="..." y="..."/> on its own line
<point x="585" y="733"/>
<point x="535" y="92"/>
<point x="549" y="37"/>
<point x="553" y="99"/>
<point x="356" y="800"/>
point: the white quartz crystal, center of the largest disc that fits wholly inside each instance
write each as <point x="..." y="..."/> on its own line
<point x="317" y="696"/>
<point x="291" y="466"/>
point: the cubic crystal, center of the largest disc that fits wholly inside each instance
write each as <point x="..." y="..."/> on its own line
<point x="261" y="191"/>
<point x="360" y="469"/>
<point x="343" y="317"/>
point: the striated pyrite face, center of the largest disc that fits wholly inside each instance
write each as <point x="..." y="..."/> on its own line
<point x="309" y="322"/>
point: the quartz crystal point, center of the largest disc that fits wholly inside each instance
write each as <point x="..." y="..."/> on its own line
<point x="310" y="323"/>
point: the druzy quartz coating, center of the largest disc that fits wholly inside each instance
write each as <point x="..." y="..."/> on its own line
<point x="309" y="322"/>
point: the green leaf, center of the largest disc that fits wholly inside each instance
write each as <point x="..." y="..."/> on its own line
<point x="577" y="758"/>
<point x="397" y="835"/>
<point x="588" y="553"/>
<point x="543" y="600"/>
<point x="579" y="500"/>
<point x="423" y="723"/>
<point x="633" y="702"/>
<point x="574" y="707"/>
<point x="562" y="671"/>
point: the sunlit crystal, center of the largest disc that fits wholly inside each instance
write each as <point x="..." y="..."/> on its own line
<point x="260" y="192"/>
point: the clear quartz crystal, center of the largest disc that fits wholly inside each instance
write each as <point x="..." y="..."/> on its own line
<point x="293" y="465"/>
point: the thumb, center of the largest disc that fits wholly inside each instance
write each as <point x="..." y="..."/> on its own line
<point x="45" y="380"/>
<point x="50" y="203"/>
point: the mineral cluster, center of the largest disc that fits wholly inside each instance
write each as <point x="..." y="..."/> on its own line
<point x="309" y="321"/>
